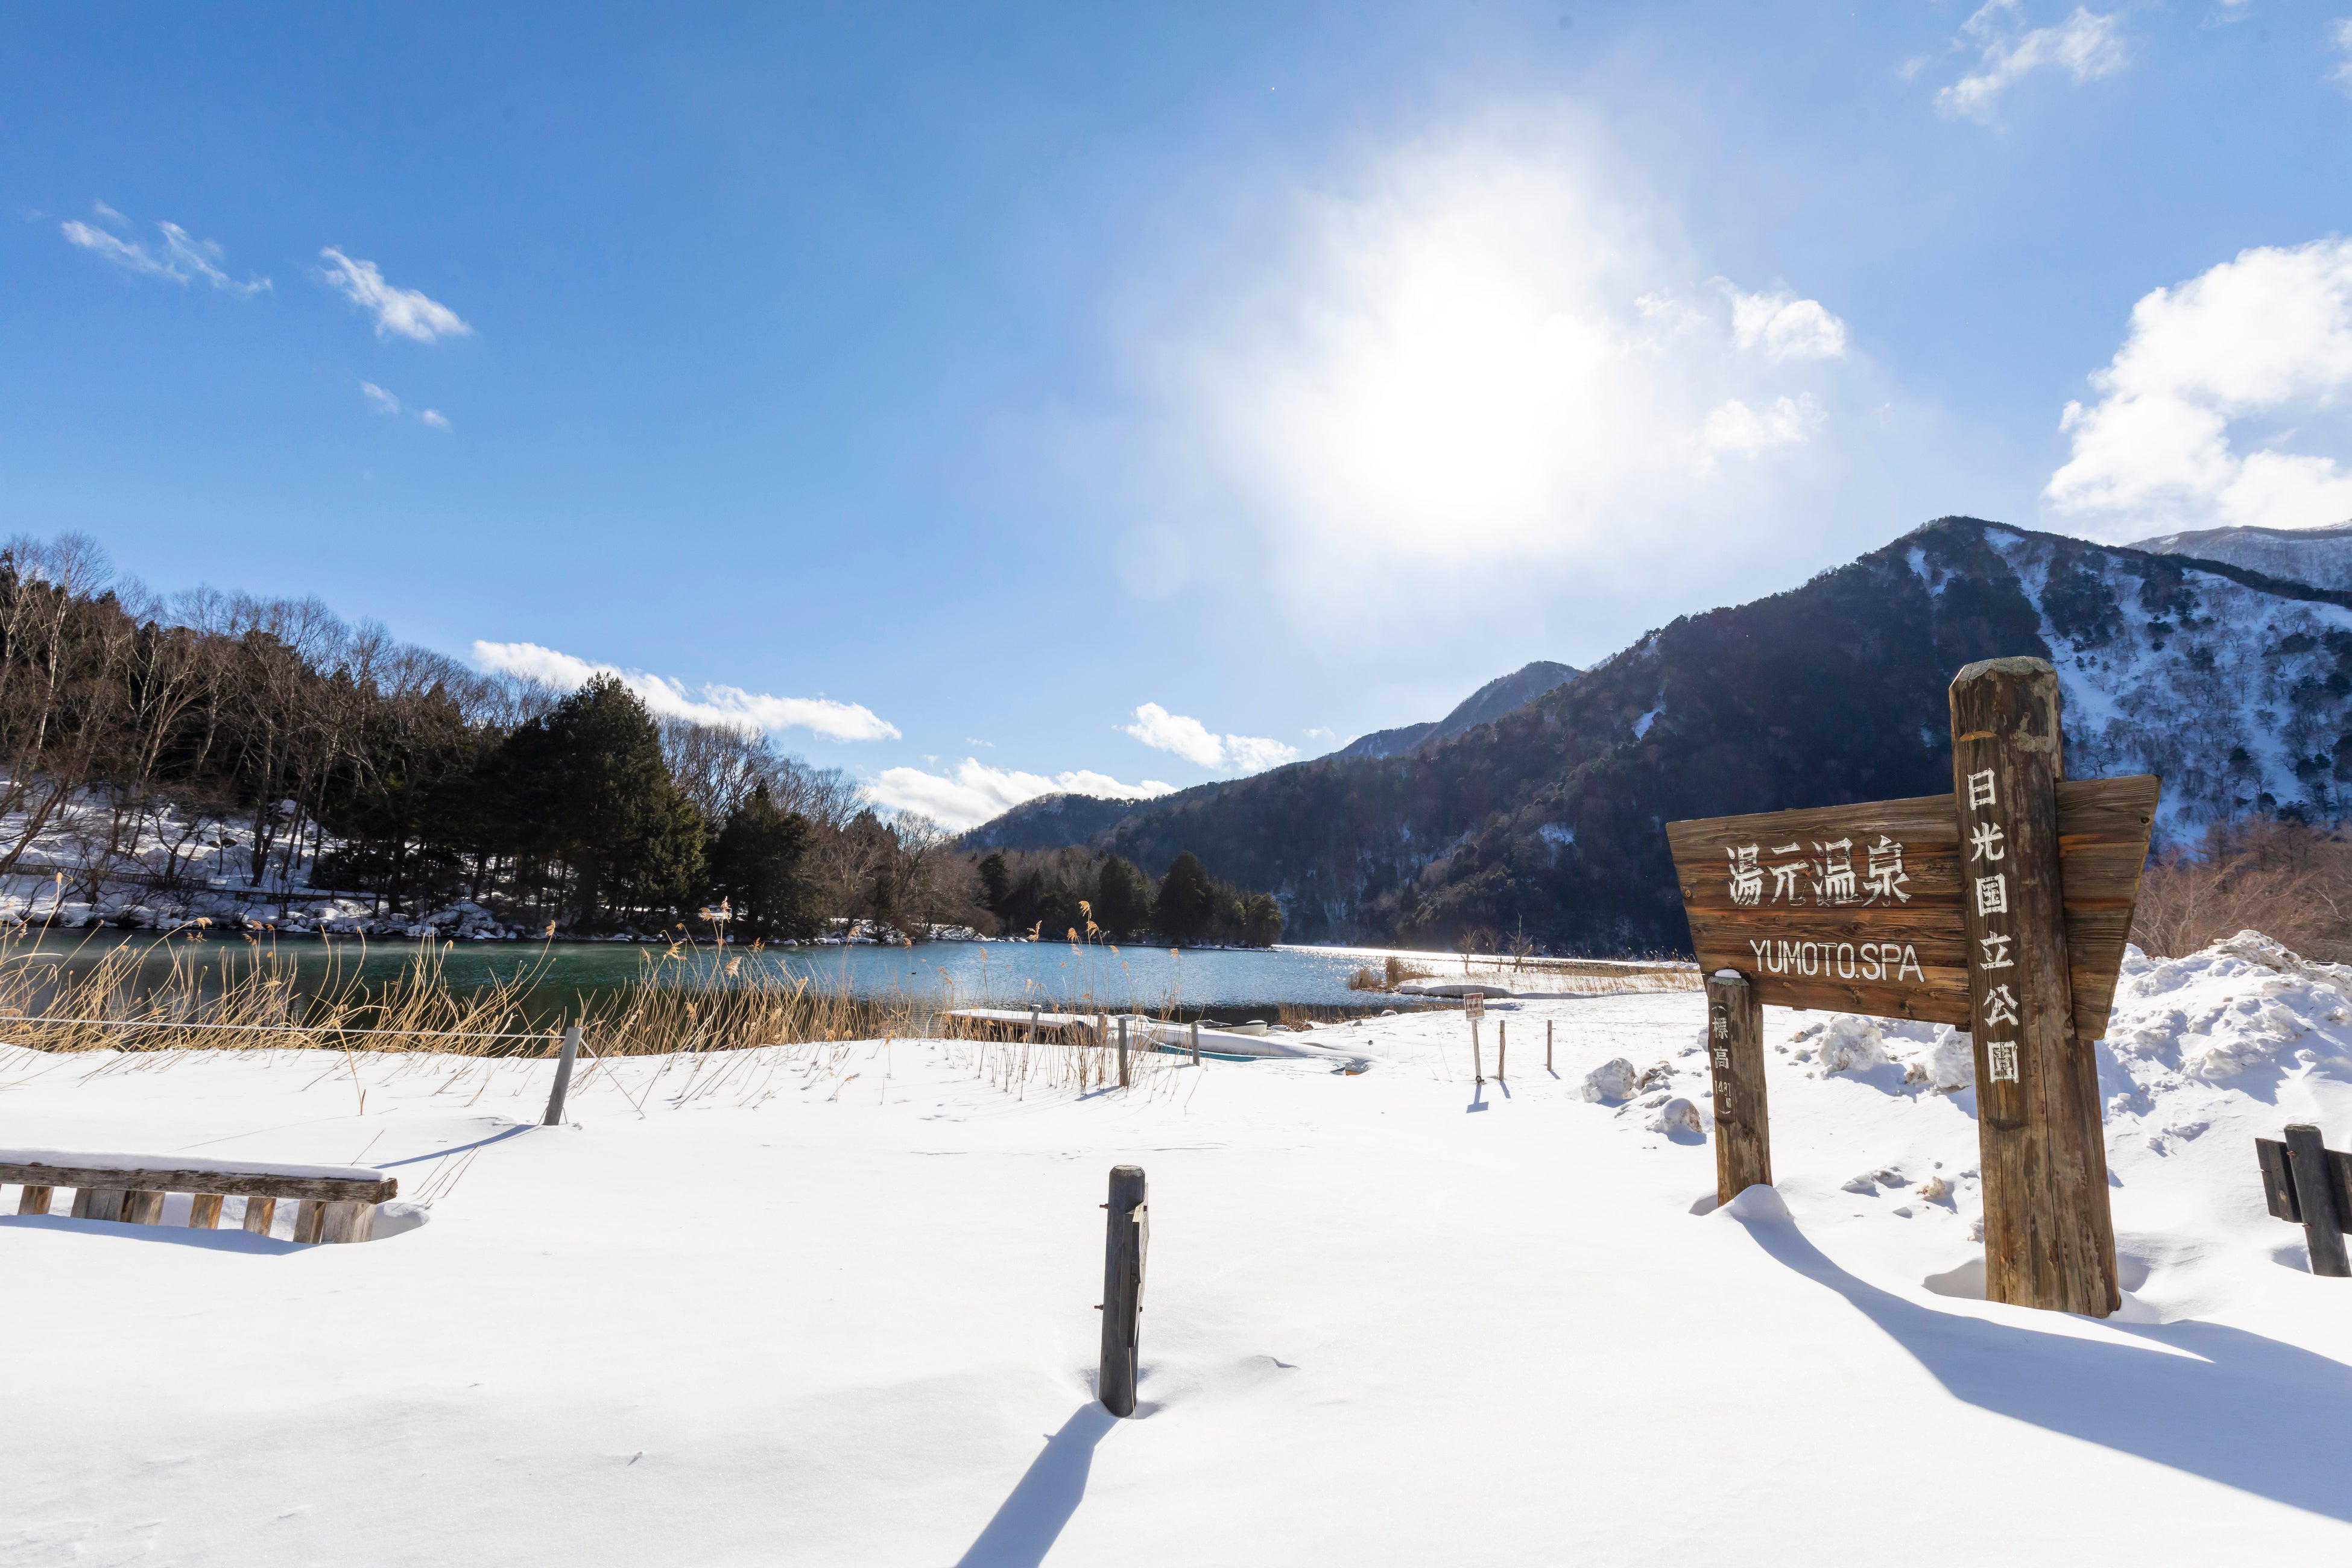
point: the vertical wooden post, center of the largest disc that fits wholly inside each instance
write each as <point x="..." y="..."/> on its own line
<point x="35" y="1200"/>
<point x="204" y="1211"/>
<point x="1196" y="1042"/>
<point x="1477" y="1068"/>
<point x="2050" y="1239"/>
<point x="1734" y="1054"/>
<point x="1122" y="1053"/>
<point x="554" y="1117"/>
<point x="347" y="1219"/>
<point x="142" y="1205"/>
<point x="309" y="1219"/>
<point x="1502" y="1048"/>
<point x="1031" y="1037"/>
<point x="98" y="1203"/>
<point x="258" y="1214"/>
<point x="1547" y="1045"/>
<point x="2315" y="1195"/>
<point x="1122" y="1302"/>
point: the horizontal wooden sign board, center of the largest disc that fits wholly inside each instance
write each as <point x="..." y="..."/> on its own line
<point x="1857" y="908"/>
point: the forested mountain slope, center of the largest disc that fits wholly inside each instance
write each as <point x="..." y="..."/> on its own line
<point x="2318" y="556"/>
<point x="1489" y="702"/>
<point x="2234" y="686"/>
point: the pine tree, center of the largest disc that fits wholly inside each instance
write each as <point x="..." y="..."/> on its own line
<point x="759" y="863"/>
<point x="1122" y="898"/>
<point x="1261" y="920"/>
<point x="1186" y="911"/>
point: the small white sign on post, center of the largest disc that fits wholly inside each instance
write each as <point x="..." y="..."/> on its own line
<point x="1474" y="1007"/>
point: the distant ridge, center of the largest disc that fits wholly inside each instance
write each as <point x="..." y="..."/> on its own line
<point x="2321" y="556"/>
<point x="1484" y="706"/>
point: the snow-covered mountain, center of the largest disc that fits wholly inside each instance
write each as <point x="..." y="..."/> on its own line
<point x="2321" y="555"/>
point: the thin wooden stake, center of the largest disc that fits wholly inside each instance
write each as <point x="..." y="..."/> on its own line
<point x="1502" y="1048"/>
<point x="1547" y="1045"/>
<point x="554" y="1117"/>
<point x="1124" y="1239"/>
<point x="1195" y="1028"/>
<point x="1477" y="1072"/>
<point x="1122" y="1053"/>
<point x="1734" y="1054"/>
<point x="2315" y="1195"/>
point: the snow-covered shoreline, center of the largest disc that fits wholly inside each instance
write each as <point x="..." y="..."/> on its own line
<point x="834" y="1304"/>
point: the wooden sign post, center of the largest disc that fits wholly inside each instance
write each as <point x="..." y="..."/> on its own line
<point x="1473" y="1007"/>
<point x="2002" y="909"/>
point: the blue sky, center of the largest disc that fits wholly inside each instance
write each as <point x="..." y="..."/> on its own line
<point x="992" y="398"/>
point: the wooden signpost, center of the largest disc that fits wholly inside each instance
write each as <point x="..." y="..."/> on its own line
<point x="2002" y="909"/>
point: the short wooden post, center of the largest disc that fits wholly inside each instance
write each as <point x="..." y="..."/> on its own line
<point x="1031" y="1037"/>
<point x="571" y="1053"/>
<point x="259" y="1212"/>
<point x="1102" y="1031"/>
<point x="1547" y="1045"/>
<point x="346" y="1219"/>
<point x="1195" y="1028"/>
<point x="204" y="1211"/>
<point x="1477" y="1069"/>
<point x="142" y="1205"/>
<point x="2315" y="1195"/>
<point x="1125" y="1240"/>
<point x="98" y="1203"/>
<point x="1502" y="1048"/>
<point x="35" y="1200"/>
<point x="1122" y="1053"/>
<point x="2050" y="1239"/>
<point x="1734" y="1054"/>
<point x="308" y="1218"/>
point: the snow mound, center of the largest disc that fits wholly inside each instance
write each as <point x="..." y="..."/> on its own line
<point x="2241" y="1004"/>
<point x="1678" y="1115"/>
<point x="1612" y="1079"/>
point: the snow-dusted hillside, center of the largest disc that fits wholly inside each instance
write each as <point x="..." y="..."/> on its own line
<point x="1391" y="1318"/>
<point x="2237" y="697"/>
<point x="2320" y="555"/>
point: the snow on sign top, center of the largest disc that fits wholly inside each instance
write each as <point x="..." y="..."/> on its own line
<point x="1857" y="908"/>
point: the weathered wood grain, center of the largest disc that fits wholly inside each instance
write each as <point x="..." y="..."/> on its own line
<point x="346" y="1220"/>
<point x="35" y="1200"/>
<point x="307" y="1219"/>
<point x="2049" y="1237"/>
<point x="142" y="1205"/>
<point x="1734" y="1048"/>
<point x="2323" y="1222"/>
<point x="205" y="1212"/>
<point x="2278" y="1180"/>
<point x="260" y="1214"/>
<point x="98" y="1203"/>
<point x="2103" y="835"/>
<point x="1122" y="1302"/>
<point x="373" y="1185"/>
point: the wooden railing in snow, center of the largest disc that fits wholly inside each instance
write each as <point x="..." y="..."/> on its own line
<point x="338" y="1201"/>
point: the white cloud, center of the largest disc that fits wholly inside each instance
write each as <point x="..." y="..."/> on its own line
<point x="2339" y="34"/>
<point x="184" y="258"/>
<point x="1197" y="743"/>
<point x="975" y="792"/>
<point x="405" y="312"/>
<point x="713" y="704"/>
<point x="1746" y="432"/>
<point x="2256" y="352"/>
<point x="2085" y="46"/>
<point x="1785" y="327"/>
<point x="1485" y="349"/>
<point x="387" y="402"/>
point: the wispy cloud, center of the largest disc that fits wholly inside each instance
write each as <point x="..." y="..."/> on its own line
<point x="1197" y="743"/>
<point x="975" y="792"/>
<point x="402" y="312"/>
<point x="707" y="704"/>
<point x="1782" y="326"/>
<point x="2085" y="46"/>
<point x="182" y="257"/>
<point x="2255" y="352"/>
<point x="386" y="402"/>
<point x="2339" y="74"/>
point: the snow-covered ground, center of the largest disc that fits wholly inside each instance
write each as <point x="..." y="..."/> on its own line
<point x="836" y="1307"/>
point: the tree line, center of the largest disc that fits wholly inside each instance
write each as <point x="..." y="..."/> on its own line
<point x="132" y="727"/>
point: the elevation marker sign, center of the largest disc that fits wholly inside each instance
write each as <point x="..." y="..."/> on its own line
<point x="2002" y="909"/>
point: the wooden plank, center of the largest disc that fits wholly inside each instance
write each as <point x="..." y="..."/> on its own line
<point x="205" y="1212"/>
<point x="260" y="1213"/>
<point x="1734" y="1048"/>
<point x="35" y="1200"/>
<point x="346" y="1221"/>
<point x="142" y="1205"/>
<point x="2323" y="1222"/>
<point x="307" y="1219"/>
<point x="373" y="1186"/>
<point x="2278" y="1180"/>
<point x="1900" y="952"/>
<point x="1122" y="1302"/>
<point x="2049" y="1236"/>
<point x="98" y="1203"/>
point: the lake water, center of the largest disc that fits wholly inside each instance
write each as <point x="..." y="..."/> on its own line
<point x="1237" y="983"/>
